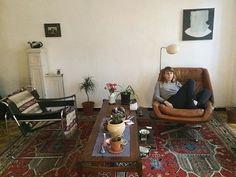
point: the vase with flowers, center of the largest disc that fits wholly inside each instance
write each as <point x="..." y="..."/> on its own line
<point x="112" y="88"/>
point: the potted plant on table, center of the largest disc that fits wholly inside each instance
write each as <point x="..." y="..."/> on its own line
<point x="116" y="144"/>
<point x="126" y="95"/>
<point x="116" y="125"/>
<point x="88" y="85"/>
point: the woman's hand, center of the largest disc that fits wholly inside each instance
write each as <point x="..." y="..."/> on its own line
<point x="168" y="104"/>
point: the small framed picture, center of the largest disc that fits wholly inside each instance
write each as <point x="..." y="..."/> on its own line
<point x="52" y="30"/>
<point x="198" y="24"/>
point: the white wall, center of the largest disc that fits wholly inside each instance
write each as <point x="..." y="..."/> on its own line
<point x="234" y="87"/>
<point x="234" y="71"/>
<point x="114" y="41"/>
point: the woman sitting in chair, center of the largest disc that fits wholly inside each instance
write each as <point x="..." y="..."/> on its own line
<point x="172" y="93"/>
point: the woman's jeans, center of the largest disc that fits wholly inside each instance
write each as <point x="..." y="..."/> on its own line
<point x="186" y="94"/>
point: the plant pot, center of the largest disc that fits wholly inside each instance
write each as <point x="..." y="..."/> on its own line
<point x="116" y="130"/>
<point x="133" y="106"/>
<point x="125" y="98"/>
<point x="115" y="144"/>
<point x="88" y="107"/>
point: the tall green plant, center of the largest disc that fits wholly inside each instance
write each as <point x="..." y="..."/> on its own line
<point x="88" y="85"/>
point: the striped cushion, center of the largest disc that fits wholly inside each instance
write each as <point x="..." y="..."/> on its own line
<point x="71" y="121"/>
<point x="25" y="102"/>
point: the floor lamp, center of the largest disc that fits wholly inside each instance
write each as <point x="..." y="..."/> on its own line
<point x="170" y="49"/>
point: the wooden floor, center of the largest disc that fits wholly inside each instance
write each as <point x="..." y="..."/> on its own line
<point x="223" y="115"/>
<point x="4" y="139"/>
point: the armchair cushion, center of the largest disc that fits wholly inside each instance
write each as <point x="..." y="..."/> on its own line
<point x="70" y="115"/>
<point x="25" y="102"/>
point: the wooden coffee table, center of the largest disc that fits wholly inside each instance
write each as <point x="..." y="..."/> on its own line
<point x="106" y="163"/>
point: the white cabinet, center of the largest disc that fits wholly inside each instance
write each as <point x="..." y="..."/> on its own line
<point x="47" y="85"/>
<point x="55" y="86"/>
<point x="38" y="67"/>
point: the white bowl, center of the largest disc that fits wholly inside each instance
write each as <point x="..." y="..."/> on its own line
<point x="144" y="131"/>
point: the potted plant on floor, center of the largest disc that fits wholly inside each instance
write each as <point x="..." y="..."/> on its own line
<point x="88" y="85"/>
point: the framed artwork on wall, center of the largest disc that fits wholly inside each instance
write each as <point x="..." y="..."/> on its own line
<point x="52" y="30"/>
<point x="198" y="24"/>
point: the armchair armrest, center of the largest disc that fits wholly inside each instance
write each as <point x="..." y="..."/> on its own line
<point x="39" y="116"/>
<point x="155" y="107"/>
<point x="176" y="117"/>
<point x="208" y="111"/>
<point x="61" y="98"/>
<point x="57" y="102"/>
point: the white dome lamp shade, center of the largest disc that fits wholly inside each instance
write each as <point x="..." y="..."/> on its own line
<point x="170" y="49"/>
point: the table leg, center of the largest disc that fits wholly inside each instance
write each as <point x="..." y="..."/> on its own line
<point x="80" y="169"/>
<point x="139" y="169"/>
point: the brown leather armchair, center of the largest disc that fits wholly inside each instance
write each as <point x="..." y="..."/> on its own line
<point x="187" y="116"/>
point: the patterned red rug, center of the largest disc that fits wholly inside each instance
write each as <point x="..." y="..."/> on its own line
<point x="175" y="154"/>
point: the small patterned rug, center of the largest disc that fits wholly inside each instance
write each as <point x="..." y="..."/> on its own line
<point x="174" y="154"/>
